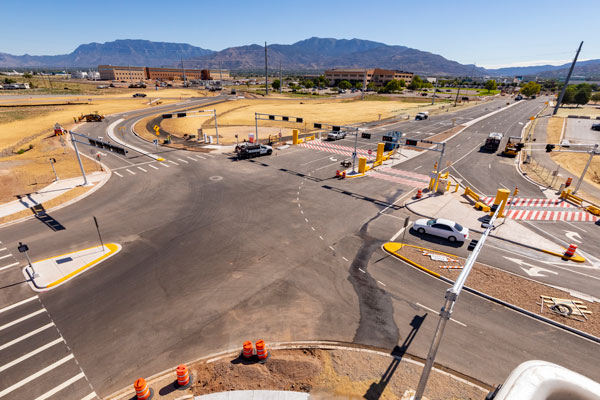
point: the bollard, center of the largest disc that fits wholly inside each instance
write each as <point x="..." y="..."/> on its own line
<point x="247" y="350"/>
<point x="571" y="250"/>
<point x="448" y="186"/>
<point x="261" y="351"/>
<point x="338" y="173"/>
<point x="142" y="391"/>
<point x="343" y="174"/>
<point x="456" y="188"/>
<point x="183" y="377"/>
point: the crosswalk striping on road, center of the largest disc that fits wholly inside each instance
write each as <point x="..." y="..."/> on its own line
<point x="338" y="147"/>
<point x="410" y="174"/>
<point x="396" y="179"/>
<point x="532" y="202"/>
<point x="547" y="215"/>
<point x="327" y="149"/>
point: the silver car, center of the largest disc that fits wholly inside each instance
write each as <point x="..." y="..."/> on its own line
<point x="443" y="228"/>
<point x="335" y="135"/>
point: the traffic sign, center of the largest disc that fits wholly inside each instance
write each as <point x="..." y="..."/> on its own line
<point x="353" y="154"/>
<point x="155" y="141"/>
<point x="370" y="151"/>
<point x="156" y="127"/>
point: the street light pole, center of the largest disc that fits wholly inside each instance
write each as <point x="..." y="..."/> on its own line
<point x="592" y="153"/>
<point x="85" y="182"/>
<point x="23" y="248"/>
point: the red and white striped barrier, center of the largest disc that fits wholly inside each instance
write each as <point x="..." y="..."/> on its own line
<point x="451" y="266"/>
<point x="313" y="146"/>
<point x="544" y="215"/>
<point x="530" y="202"/>
<point x="343" y="148"/>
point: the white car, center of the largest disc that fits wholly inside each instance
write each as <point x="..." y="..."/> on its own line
<point x="442" y="228"/>
<point x="335" y="135"/>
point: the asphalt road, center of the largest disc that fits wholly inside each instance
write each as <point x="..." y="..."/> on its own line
<point x="218" y="251"/>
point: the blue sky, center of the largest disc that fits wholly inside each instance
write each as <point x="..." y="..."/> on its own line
<point x="489" y="33"/>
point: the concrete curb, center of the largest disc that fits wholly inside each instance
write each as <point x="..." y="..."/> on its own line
<point x="501" y="302"/>
<point x="309" y="344"/>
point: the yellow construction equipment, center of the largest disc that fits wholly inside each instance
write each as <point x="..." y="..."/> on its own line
<point x="513" y="146"/>
<point x="94" y="117"/>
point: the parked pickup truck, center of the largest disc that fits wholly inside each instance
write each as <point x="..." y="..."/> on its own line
<point x="422" y="115"/>
<point x="335" y="135"/>
<point x="249" y="150"/>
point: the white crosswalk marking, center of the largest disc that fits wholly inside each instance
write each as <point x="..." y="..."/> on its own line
<point x="60" y="387"/>
<point x="199" y="156"/>
<point x="27" y="335"/>
<point x="26" y="317"/>
<point x="31" y="354"/>
<point x="193" y="159"/>
<point x="41" y="372"/>
<point x="172" y="162"/>
<point x="18" y="304"/>
<point x="90" y="396"/>
<point x="9" y="266"/>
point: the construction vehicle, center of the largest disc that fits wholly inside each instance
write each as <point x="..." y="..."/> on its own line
<point x="94" y="117"/>
<point x="513" y="146"/>
<point x="493" y="141"/>
<point x="249" y="150"/>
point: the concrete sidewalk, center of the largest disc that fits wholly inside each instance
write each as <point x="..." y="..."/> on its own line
<point x="50" y="192"/>
<point x="455" y="207"/>
<point x="54" y="271"/>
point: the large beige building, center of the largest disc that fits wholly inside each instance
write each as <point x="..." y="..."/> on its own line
<point x="378" y="76"/>
<point x="136" y="74"/>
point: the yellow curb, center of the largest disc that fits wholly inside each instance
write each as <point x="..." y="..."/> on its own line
<point x="575" y="258"/>
<point x="111" y="246"/>
<point x="160" y="159"/>
<point x="355" y="175"/>
<point x="393" y="247"/>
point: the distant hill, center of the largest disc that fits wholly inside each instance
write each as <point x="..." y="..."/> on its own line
<point x="324" y="53"/>
<point x="119" y="52"/>
<point x="314" y="54"/>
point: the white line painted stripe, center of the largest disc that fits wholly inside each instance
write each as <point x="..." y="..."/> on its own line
<point x="90" y="396"/>
<point x="152" y="166"/>
<point x="301" y="212"/>
<point x="4" y="248"/>
<point x="130" y="171"/>
<point x="313" y="228"/>
<point x="182" y="160"/>
<point x="433" y="311"/>
<point x="400" y="232"/>
<point x="381" y="283"/>
<point x="306" y="220"/>
<point x="60" y="387"/>
<point x="209" y="155"/>
<point x="18" y="304"/>
<point x="31" y="354"/>
<point x="9" y="266"/>
<point x="190" y="158"/>
<point x="362" y="270"/>
<point x="35" y="376"/>
<point x="6" y="256"/>
<point x="321" y="237"/>
<point x="25" y="336"/>
<point x="172" y="162"/>
<point x="331" y="247"/>
<point x="142" y="169"/>
<point x="199" y="156"/>
<point x="16" y="321"/>
<point x="166" y="165"/>
<point x="345" y="259"/>
<point x="118" y="174"/>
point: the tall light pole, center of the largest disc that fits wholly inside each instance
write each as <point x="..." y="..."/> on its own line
<point x="266" y="73"/>
<point x="23" y="248"/>
<point x="562" y="93"/>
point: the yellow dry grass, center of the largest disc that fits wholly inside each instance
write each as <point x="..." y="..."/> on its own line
<point x="589" y="110"/>
<point x="237" y="117"/>
<point x="554" y="129"/>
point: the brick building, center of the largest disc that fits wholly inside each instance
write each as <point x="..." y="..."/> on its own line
<point x="378" y="76"/>
<point x="136" y="74"/>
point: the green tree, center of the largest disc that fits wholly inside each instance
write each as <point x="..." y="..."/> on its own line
<point x="345" y="85"/>
<point x="393" y="86"/>
<point x="582" y="96"/>
<point x="10" y="80"/>
<point x="308" y="83"/>
<point x="27" y="75"/>
<point x="569" y="96"/>
<point x="595" y="97"/>
<point x="276" y="84"/>
<point x="371" y="86"/>
<point x="402" y="82"/>
<point x="415" y="83"/>
<point x="491" y="85"/>
<point x="359" y="85"/>
<point x="530" y="89"/>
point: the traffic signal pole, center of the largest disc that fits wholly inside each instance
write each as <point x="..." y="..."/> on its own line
<point x="592" y="154"/>
<point x="564" y="89"/>
<point x="85" y="182"/>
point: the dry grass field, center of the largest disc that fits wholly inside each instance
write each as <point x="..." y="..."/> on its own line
<point x="237" y="117"/>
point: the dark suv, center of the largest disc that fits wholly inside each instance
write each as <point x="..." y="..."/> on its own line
<point x="596" y="127"/>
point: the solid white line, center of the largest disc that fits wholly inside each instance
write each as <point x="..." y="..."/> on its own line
<point x="130" y="171"/>
<point x="166" y="165"/>
<point x="60" y="387"/>
<point x="433" y="311"/>
<point x="345" y="259"/>
<point x="331" y="247"/>
<point x="152" y="166"/>
<point x="18" y="304"/>
<point x="25" y="336"/>
<point x="31" y="354"/>
<point x="90" y="396"/>
<point x="142" y="169"/>
<point x="36" y="375"/>
<point x="6" y="256"/>
<point x="16" y="321"/>
<point x="182" y="160"/>
<point x="400" y="232"/>
<point x="172" y="162"/>
<point x="381" y="283"/>
<point x="118" y="174"/>
<point x="576" y="227"/>
<point x="9" y="266"/>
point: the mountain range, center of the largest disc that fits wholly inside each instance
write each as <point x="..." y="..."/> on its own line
<point x="314" y="54"/>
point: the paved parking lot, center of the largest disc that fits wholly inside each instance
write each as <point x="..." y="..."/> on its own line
<point x="579" y="131"/>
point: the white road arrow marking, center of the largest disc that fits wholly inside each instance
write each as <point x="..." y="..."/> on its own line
<point x="571" y="235"/>
<point x="333" y="159"/>
<point x="533" y="271"/>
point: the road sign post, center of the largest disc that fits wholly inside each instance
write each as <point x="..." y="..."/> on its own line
<point x="98" y="230"/>
<point x="406" y="222"/>
<point x="52" y="161"/>
<point x="23" y="248"/>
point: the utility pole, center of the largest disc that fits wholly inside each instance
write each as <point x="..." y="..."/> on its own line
<point x="362" y="97"/>
<point x="220" y="75"/>
<point x="266" y="73"/>
<point x="280" y="78"/>
<point x="435" y="90"/>
<point x="183" y="71"/>
<point x="562" y="93"/>
<point x="592" y="153"/>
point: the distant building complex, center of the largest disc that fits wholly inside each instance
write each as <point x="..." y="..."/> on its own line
<point x="378" y="76"/>
<point x="136" y="74"/>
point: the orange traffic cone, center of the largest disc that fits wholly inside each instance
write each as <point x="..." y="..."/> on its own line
<point x="142" y="391"/>
<point x="183" y="377"/>
<point x="261" y="351"/>
<point x="419" y="194"/>
<point x="571" y="250"/>
<point x="247" y="350"/>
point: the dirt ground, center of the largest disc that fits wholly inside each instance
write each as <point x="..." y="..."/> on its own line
<point x="511" y="288"/>
<point x="591" y="110"/>
<point x="341" y="373"/>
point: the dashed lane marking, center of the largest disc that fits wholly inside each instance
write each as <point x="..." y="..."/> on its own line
<point x="182" y="160"/>
<point x="190" y="158"/>
<point x="383" y="284"/>
<point x="345" y="259"/>
<point x="166" y="165"/>
<point x="130" y="171"/>
<point x="199" y="156"/>
<point x="362" y="270"/>
<point x="306" y="220"/>
<point x="142" y="169"/>
<point x="172" y="162"/>
<point x="313" y="228"/>
<point x="433" y="311"/>
<point x="152" y="166"/>
<point x="321" y="237"/>
<point x="332" y="248"/>
<point x="118" y="174"/>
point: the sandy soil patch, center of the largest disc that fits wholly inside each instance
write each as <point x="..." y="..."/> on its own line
<point x="589" y="110"/>
<point x="325" y="374"/>
<point x="508" y="287"/>
<point x="554" y="129"/>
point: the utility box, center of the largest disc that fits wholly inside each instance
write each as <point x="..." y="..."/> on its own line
<point x="442" y="184"/>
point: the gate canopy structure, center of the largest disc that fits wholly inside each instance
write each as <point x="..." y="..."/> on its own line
<point x="198" y="113"/>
